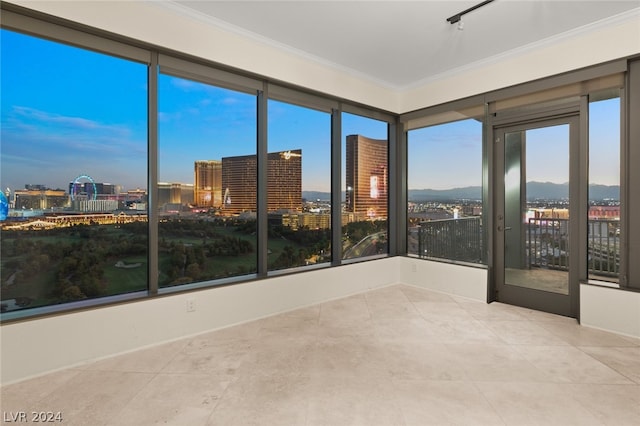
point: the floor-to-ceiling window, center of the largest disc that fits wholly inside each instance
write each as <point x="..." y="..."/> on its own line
<point x="81" y="144"/>
<point x="444" y="180"/>
<point x="604" y="230"/>
<point x="365" y="178"/>
<point x="207" y="187"/>
<point x="298" y="186"/>
<point x="73" y="174"/>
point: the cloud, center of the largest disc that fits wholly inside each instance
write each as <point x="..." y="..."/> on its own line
<point x="35" y="115"/>
<point x="185" y="85"/>
<point x="52" y="147"/>
<point x="27" y="115"/>
<point x="166" y="117"/>
<point x="230" y="100"/>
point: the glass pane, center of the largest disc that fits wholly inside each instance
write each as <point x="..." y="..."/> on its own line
<point x="536" y="219"/>
<point x="445" y="191"/>
<point x="73" y="172"/>
<point x="604" y="190"/>
<point x="299" y="186"/>
<point x="207" y="182"/>
<point x="365" y="176"/>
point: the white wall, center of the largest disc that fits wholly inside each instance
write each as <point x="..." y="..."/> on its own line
<point x="38" y="346"/>
<point x="465" y="281"/>
<point x="610" y="309"/>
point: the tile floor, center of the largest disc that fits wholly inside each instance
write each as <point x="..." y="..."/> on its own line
<point x="393" y="356"/>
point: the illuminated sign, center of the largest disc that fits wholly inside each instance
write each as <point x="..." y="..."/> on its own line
<point x="288" y="154"/>
<point x="373" y="182"/>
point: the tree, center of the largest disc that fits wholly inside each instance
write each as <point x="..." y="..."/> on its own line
<point x="193" y="271"/>
<point x="72" y="293"/>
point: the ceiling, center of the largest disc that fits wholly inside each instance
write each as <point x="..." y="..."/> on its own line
<point x="402" y="44"/>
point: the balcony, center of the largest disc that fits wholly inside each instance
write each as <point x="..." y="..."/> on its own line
<point x="548" y="246"/>
<point x="454" y="239"/>
<point x="546" y="242"/>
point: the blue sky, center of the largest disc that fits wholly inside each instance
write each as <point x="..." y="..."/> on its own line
<point x="68" y="112"/>
<point x="604" y="137"/>
<point x="445" y="156"/>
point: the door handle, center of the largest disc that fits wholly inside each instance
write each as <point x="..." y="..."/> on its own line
<point x="506" y="228"/>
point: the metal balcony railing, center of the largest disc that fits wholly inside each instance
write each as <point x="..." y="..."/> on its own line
<point x="453" y="239"/>
<point x="548" y="245"/>
<point x="604" y="248"/>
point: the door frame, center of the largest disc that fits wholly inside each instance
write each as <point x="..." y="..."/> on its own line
<point x="573" y="112"/>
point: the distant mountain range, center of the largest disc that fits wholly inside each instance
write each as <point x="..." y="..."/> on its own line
<point x="603" y="192"/>
<point x="535" y="190"/>
<point x="466" y="193"/>
<point x="318" y="195"/>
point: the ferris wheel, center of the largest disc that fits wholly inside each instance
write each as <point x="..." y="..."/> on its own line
<point x="79" y="187"/>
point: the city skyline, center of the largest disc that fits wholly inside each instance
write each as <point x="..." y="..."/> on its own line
<point x="92" y="120"/>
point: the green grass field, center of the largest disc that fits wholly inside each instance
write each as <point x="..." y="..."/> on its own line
<point x="126" y="280"/>
<point x="38" y="288"/>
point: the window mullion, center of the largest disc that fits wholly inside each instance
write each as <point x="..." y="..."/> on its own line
<point x="336" y="186"/>
<point x="262" y="184"/>
<point x="152" y="193"/>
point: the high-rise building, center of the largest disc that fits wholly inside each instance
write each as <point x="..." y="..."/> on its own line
<point x="284" y="182"/>
<point x="83" y="205"/>
<point x="136" y="195"/>
<point x="105" y="188"/>
<point x="208" y="183"/>
<point x="239" y="177"/>
<point x="40" y="198"/>
<point x="367" y="177"/>
<point x="175" y="194"/>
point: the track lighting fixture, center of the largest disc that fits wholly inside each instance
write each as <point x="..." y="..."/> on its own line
<point x="457" y="18"/>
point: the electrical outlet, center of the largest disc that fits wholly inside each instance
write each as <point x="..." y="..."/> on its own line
<point x="191" y="305"/>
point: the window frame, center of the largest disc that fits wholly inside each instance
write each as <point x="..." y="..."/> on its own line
<point x="290" y="97"/>
<point x="159" y="60"/>
<point x="450" y="117"/>
<point x="52" y="32"/>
